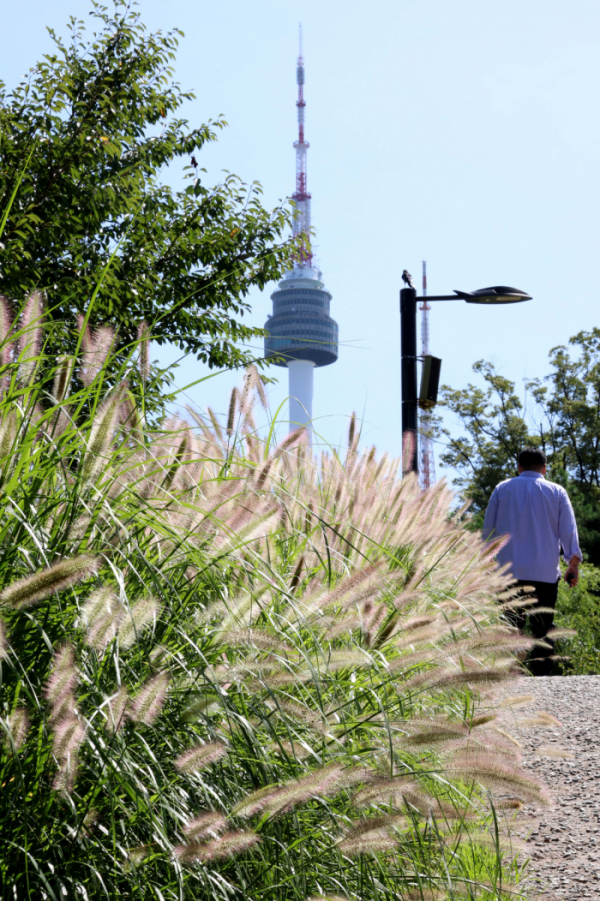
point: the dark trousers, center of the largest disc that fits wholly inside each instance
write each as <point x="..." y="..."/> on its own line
<point x="545" y="593"/>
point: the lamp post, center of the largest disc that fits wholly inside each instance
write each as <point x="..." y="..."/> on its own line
<point x="408" y="351"/>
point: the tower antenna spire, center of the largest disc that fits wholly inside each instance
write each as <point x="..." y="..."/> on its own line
<point x="301" y="197"/>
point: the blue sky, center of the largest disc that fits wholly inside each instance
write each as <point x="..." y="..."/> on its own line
<point x="463" y="133"/>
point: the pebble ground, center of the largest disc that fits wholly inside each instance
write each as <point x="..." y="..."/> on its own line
<point x="564" y="839"/>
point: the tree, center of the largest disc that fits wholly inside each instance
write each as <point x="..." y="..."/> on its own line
<point x="84" y="140"/>
<point x="563" y="419"/>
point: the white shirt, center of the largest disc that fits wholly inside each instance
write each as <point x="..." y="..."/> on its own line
<point x="539" y="518"/>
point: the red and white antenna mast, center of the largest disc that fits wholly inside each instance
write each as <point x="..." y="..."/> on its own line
<point x="301" y="197"/>
<point x="427" y="461"/>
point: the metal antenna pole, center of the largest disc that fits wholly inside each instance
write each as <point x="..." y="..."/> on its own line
<point x="427" y="462"/>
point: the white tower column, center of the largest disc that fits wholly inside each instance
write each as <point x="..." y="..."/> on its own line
<point x="301" y="392"/>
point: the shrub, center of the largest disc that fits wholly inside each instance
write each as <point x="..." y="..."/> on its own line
<point x="579" y="609"/>
<point x="231" y="670"/>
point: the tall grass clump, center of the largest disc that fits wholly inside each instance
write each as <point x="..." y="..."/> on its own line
<point x="233" y="670"/>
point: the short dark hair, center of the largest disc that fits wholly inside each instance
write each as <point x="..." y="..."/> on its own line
<point x="532" y="457"/>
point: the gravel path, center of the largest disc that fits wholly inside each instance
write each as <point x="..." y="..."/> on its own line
<point x="563" y="840"/>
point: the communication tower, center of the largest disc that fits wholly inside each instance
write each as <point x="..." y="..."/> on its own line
<point x="302" y="334"/>
<point x="427" y="461"/>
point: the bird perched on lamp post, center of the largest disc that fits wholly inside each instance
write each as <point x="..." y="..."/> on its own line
<point x="407" y="278"/>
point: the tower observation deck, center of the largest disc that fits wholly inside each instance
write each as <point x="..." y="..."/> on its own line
<point x="302" y="334"/>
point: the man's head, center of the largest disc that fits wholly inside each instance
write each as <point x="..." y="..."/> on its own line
<point x="532" y="459"/>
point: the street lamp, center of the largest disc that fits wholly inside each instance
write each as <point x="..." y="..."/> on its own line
<point x="408" y="348"/>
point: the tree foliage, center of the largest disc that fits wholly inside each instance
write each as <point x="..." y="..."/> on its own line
<point x="560" y="414"/>
<point x="85" y="139"/>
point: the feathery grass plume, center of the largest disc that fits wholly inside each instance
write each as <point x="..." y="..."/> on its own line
<point x="136" y="856"/>
<point x="57" y="577"/>
<point x="104" y="629"/>
<point x="63" y="680"/>
<point x="150" y="700"/>
<point x="96" y="351"/>
<point x="7" y="343"/>
<point x="118" y="710"/>
<point x="62" y="378"/>
<point x="555" y="634"/>
<point x="540" y="718"/>
<point x="516" y="701"/>
<point x="18" y="727"/>
<point x="327" y="781"/>
<point x="144" y="613"/>
<point x="276" y="799"/>
<point x="451" y="678"/>
<point x="100" y="602"/>
<point x="207" y="824"/>
<point x="341" y="659"/>
<point x="201" y="756"/>
<point x="257" y="638"/>
<point x="144" y="355"/>
<point x="558" y="753"/>
<point x="101" y="434"/>
<point x="351" y="430"/>
<point x="377" y="841"/>
<point x="9" y="428"/>
<point x="233" y="404"/>
<point x="228" y="845"/>
<point x="495" y="773"/>
<point x="508" y="804"/>
<point x="68" y="735"/>
<point x="64" y="780"/>
<point x="4" y="646"/>
<point x="30" y="342"/>
<point x="385" y="791"/>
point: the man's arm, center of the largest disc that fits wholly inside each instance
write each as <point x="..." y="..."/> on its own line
<point x="489" y="520"/>
<point x="569" y="539"/>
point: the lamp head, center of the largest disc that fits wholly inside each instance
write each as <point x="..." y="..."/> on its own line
<point x="496" y="294"/>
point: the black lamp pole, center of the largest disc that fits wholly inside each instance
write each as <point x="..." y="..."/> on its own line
<point x="408" y="353"/>
<point x="498" y="294"/>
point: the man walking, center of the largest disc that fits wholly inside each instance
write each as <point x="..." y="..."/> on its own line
<point x="539" y="518"/>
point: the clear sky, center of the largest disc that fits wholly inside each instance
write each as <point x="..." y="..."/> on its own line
<point x="465" y="133"/>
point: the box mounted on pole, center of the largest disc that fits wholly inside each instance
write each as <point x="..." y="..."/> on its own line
<point x="430" y="380"/>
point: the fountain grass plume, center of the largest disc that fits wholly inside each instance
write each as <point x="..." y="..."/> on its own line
<point x="68" y="735"/>
<point x="144" y="351"/>
<point x="117" y="710"/>
<point x="150" y="700"/>
<point x="101" y="601"/>
<point x="228" y="845"/>
<point x="205" y="825"/>
<point x="60" y="687"/>
<point x="277" y="799"/>
<point x="102" y="435"/>
<point x="62" y="378"/>
<point x="30" y="340"/>
<point x="144" y="613"/>
<point x="18" y="727"/>
<point x="97" y="348"/>
<point x="494" y="772"/>
<point x="60" y="575"/>
<point x="200" y="757"/>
